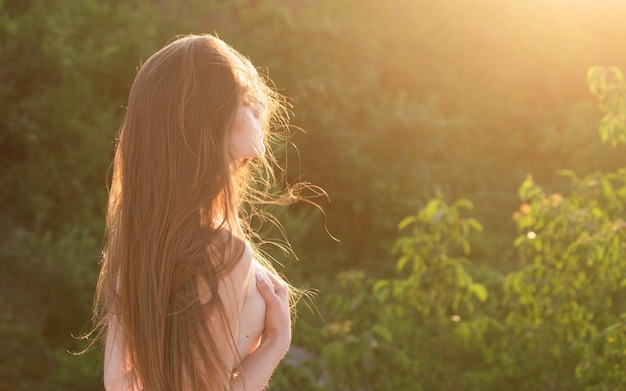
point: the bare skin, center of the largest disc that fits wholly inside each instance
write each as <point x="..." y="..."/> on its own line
<point x="259" y="359"/>
<point x="258" y="367"/>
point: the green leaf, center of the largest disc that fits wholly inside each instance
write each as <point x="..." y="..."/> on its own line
<point x="403" y="261"/>
<point x="519" y="240"/>
<point x="474" y="224"/>
<point x="381" y="289"/>
<point x="527" y="189"/>
<point x="607" y="188"/>
<point x="466" y="246"/>
<point x="383" y="332"/>
<point x="405" y="222"/>
<point x="463" y="203"/>
<point x="479" y="291"/>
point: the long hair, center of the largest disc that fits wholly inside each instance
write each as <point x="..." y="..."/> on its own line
<point x="175" y="211"/>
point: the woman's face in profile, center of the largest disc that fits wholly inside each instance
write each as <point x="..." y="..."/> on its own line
<point x="247" y="132"/>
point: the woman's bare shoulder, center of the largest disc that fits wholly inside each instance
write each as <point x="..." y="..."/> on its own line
<point x="233" y="285"/>
<point x="227" y="245"/>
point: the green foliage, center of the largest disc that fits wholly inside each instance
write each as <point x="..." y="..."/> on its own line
<point x="54" y="275"/>
<point x="382" y="328"/>
<point x="558" y="323"/>
<point x="609" y="86"/>
<point x="571" y="284"/>
<point x="603" y="365"/>
<point x="438" y="283"/>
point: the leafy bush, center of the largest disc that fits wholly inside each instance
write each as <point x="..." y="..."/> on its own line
<point x="571" y="282"/>
<point x="413" y="331"/>
<point x="609" y="86"/>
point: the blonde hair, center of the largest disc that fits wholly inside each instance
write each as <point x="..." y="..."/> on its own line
<point x="175" y="192"/>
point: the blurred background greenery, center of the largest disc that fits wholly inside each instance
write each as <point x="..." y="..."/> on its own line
<point x="480" y="212"/>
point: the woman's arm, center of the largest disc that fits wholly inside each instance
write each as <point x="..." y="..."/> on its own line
<point x="256" y="370"/>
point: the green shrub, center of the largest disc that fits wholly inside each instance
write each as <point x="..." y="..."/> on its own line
<point x="414" y="331"/>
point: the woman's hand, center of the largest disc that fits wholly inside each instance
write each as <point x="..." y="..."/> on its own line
<point x="277" y="315"/>
<point x="257" y="368"/>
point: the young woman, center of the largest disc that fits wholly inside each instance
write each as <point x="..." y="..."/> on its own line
<point x="184" y="299"/>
